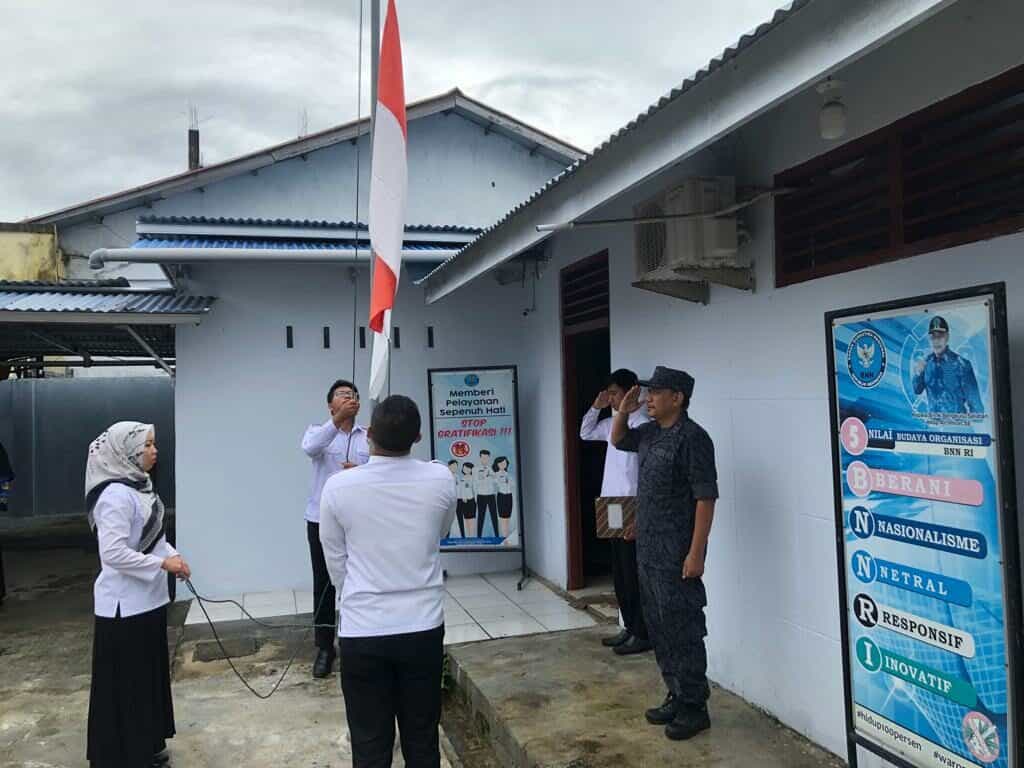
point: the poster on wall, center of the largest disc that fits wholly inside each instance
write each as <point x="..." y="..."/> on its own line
<point x="928" y="551"/>
<point x="474" y="430"/>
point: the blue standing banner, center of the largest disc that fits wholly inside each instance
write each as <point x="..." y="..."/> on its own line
<point x="927" y="537"/>
<point x="474" y="428"/>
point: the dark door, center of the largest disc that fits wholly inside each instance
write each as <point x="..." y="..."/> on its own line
<point x="585" y="365"/>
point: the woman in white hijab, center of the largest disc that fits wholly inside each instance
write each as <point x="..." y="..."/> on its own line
<point x="130" y="711"/>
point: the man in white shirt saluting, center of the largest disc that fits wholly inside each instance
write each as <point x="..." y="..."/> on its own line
<point x="337" y="444"/>
<point x="381" y="527"/>
<point x="620" y="479"/>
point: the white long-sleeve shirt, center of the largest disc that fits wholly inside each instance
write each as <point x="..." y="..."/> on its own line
<point x="621" y="468"/>
<point x="381" y="527"/>
<point x="330" y="448"/>
<point x="128" y="579"/>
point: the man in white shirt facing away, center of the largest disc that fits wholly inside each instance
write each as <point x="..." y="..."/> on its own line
<point x="620" y="479"/>
<point x="336" y="445"/>
<point x="381" y="527"/>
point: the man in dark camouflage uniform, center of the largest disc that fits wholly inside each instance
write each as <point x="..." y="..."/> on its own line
<point x="676" y="497"/>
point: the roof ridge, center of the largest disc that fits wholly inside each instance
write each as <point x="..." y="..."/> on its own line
<point x="432" y="105"/>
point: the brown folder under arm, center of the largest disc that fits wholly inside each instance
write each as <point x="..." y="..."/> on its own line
<point x="616" y="516"/>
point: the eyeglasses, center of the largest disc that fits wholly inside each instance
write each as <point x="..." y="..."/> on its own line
<point x="345" y="395"/>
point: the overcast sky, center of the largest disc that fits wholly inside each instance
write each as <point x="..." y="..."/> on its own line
<point x="94" y="93"/>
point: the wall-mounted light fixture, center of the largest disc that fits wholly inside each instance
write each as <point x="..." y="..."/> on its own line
<point x="832" y="118"/>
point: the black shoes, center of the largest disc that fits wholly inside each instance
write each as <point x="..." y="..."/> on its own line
<point x="160" y="759"/>
<point x="324" y="663"/>
<point x="664" y="714"/>
<point x="688" y="723"/>
<point x="616" y="640"/>
<point x="633" y="645"/>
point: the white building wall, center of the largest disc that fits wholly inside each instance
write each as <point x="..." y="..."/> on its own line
<point x="243" y="400"/>
<point x="760" y="365"/>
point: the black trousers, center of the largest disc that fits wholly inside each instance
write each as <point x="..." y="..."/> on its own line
<point x="674" y="609"/>
<point x="483" y="505"/>
<point x="627" y="587"/>
<point x="323" y="604"/>
<point x="387" y="678"/>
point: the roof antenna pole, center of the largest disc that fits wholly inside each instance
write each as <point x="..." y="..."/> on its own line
<point x="194" y="159"/>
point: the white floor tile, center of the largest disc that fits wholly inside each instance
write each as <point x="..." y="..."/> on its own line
<point x="537" y="598"/>
<point x="512" y="627"/>
<point x="303" y="601"/>
<point x="494" y="612"/>
<point x="267" y="604"/>
<point x="559" y="621"/>
<point x="504" y="580"/>
<point x="471" y="604"/>
<point x="528" y="586"/>
<point x="217" y="612"/>
<point x="466" y="633"/>
<point x="264" y="598"/>
<point x="455" y="616"/>
<point x="467" y="588"/>
<point x="551" y="609"/>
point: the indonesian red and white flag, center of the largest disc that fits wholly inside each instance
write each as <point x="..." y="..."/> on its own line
<point x="388" y="184"/>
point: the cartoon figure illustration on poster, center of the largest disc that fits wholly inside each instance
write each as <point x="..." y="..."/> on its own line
<point x="486" y="492"/>
<point x="473" y="425"/>
<point x="460" y="519"/>
<point x="919" y="476"/>
<point x="467" y="500"/>
<point x="503" y="486"/>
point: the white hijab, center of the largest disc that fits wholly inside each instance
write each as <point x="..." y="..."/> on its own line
<point x="116" y="457"/>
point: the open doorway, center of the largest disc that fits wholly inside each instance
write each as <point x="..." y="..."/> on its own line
<point x="586" y="362"/>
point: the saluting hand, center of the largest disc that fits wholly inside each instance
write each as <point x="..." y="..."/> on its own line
<point x="602" y="400"/>
<point x="631" y="402"/>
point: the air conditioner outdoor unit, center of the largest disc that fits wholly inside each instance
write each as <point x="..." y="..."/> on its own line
<point x="697" y="250"/>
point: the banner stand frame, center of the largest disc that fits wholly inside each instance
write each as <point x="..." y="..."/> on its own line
<point x="1008" y="523"/>
<point x="524" y="573"/>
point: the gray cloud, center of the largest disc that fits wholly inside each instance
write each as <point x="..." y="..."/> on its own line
<point x="93" y="95"/>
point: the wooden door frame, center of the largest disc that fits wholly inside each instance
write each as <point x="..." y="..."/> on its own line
<point x="571" y="430"/>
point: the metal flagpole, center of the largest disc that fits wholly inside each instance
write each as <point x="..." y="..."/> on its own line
<point x="374" y="75"/>
<point x="374" y="60"/>
<point x="354" y="271"/>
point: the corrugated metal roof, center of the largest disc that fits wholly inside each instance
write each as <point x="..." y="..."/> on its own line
<point x="715" y="64"/>
<point x="64" y="285"/>
<point x="112" y="302"/>
<point x="275" y="245"/>
<point x="226" y="221"/>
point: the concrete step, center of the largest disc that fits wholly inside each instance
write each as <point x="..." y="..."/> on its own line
<point x="561" y="700"/>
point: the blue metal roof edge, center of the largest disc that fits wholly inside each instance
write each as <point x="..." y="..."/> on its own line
<point x="296" y="223"/>
<point x="213" y="243"/>
<point x="111" y="302"/>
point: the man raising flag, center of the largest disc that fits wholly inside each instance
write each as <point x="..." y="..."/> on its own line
<point x="388" y="183"/>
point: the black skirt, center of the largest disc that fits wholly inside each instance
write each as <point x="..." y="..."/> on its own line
<point x="130" y="709"/>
